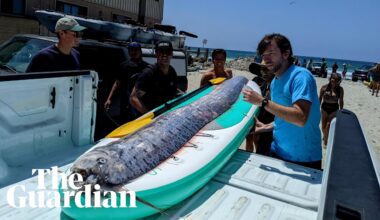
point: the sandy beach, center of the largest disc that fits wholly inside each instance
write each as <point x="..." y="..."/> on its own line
<point x="357" y="98"/>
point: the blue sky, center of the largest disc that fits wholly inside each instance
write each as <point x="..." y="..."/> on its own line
<point x="345" y="29"/>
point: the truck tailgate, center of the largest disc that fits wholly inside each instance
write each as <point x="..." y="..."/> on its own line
<point x="251" y="186"/>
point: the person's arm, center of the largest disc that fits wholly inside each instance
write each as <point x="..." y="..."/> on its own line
<point x="341" y="102"/>
<point x="296" y="114"/>
<point x="141" y="90"/>
<point x="261" y="127"/>
<point x="180" y="92"/>
<point x="321" y="93"/>
<point x="30" y="67"/>
<point x="38" y="63"/>
<point x="108" y="102"/>
<point x="229" y="73"/>
<point x="136" y="103"/>
<point x="205" y="78"/>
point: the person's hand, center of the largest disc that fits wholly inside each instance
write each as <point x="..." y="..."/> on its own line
<point x="259" y="126"/>
<point x="180" y="92"/>
<point x="253" y="97"/>
<point x="107" y="105"/>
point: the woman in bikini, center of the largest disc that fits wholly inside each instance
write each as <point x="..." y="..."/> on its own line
<point x="331" y="99"/>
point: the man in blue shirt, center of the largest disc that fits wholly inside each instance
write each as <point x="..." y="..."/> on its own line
<point x="294" y="102"/>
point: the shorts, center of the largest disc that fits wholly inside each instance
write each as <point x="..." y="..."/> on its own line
<point x="330" y="107"/>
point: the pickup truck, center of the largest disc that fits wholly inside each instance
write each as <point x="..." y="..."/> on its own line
<point x="47" y="119"/>
<point x="103" y="57"/>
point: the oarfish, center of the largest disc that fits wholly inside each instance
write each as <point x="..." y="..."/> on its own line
<point x="132" y="156"/>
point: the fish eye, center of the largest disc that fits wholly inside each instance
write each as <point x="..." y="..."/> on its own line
<point x="101" y="160"/>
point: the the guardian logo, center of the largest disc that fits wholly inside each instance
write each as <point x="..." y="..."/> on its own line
<point x="70" y="194"/>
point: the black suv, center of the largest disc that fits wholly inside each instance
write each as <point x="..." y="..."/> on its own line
<point x="103" y="57"/>
<point x="316" y="68"/>
<point x="361" y="73"/>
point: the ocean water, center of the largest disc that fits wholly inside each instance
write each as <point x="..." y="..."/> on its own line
<point x="231" y="54"/>
<point x="235" y="54"/>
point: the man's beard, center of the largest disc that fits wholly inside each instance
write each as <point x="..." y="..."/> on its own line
<point x="276" y="68"/>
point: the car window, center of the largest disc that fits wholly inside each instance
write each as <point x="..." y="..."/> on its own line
<point x="104" y="60"/>
<point x="17" y="54"/>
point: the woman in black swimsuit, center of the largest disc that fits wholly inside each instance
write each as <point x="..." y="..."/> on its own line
<point x="331" y="99"/>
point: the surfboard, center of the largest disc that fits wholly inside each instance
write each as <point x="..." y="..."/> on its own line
<point x="188" y="170"/>
<point x="113" y="30"/>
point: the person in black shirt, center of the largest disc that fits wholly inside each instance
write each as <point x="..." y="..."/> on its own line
<point x="324" y="68"/>
<point x="335" y="67"/>
<point x="261" y="142"/>
<point x="126" y="79"/>
<point x="158" y="83"/>
<point x="60" y="56"/>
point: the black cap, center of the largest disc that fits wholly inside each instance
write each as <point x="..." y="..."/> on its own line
<point x="255" y="68"/>
<point x="164" y="46"/>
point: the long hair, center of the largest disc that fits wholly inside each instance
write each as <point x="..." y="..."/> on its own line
<point x="282" y="42"/>
<point x="336" y="90"/>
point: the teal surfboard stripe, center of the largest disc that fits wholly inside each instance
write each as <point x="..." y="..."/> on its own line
<point x="235" y="114"/>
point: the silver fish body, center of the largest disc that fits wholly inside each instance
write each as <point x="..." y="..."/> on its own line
<point x="132" y="156"/>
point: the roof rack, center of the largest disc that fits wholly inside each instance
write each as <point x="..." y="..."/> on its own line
<point x="111" y="31"/>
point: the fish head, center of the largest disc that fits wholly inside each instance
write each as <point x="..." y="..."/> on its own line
<point x="100" y="166"/>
